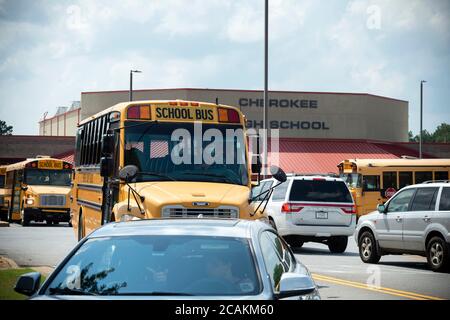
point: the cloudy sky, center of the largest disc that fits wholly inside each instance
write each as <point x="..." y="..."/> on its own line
<point x="50" y="50"/>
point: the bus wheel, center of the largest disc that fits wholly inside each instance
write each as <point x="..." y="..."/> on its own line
<point x="25" y="221"/>
<point x="80" y="227"/>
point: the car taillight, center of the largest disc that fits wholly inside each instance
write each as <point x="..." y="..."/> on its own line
<point x="290" y="207"/>
<point x="349" y="210"/>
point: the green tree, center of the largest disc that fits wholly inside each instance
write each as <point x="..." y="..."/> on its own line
<point x="442" y="133"/>
<point x="411" y="136"/>
<point x="5" y="130"/>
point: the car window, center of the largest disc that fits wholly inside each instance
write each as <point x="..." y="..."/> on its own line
<point x="401" y="201"/>
<point x="142" y="265"/>
<point x="282" y="250"/>
<point x="274" y="264"/>
<point x="279" y="193"/>
<point x="320" y="191"/>
<point x="256" y="190"/>
<point x="444" y="204"/>
<point x="425" y="199"/>
<point x="265" y="186"/>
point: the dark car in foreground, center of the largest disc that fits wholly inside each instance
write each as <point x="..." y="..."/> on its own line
<point x="177" y="259"/>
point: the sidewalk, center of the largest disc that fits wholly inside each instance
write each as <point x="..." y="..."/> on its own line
<point x="7" y="263"/>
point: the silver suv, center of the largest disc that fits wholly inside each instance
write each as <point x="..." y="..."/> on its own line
<point x="316" y="208"/>
<point x="416" y="220"/>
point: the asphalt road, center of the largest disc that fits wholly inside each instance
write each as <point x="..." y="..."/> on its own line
<point x="339" y="276"/>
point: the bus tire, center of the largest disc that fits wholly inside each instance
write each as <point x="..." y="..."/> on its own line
<point x="80" y="227"/>
<point x="25" y="221"/>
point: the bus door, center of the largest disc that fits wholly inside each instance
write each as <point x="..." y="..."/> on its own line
<point x="371" y="193"/>
<point x="16" y="196"/>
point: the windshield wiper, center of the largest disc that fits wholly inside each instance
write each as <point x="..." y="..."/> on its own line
<point x="71" y="292"/>
<point x="156" y="175"/>
<point x="225" y="178"/>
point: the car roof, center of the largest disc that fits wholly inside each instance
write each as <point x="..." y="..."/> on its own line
<point x="310" y="177"/>
<point x="181" y="226"/>
<point x="428" y="184"/>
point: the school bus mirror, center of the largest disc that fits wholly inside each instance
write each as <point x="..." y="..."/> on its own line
<point x="256" y="164"/>
<point x="108" y="142"/>
<point x="106" y="167"/>
<point x="128" y="173"/>
<point x="278" y="173"/>
<point x="24" y="188"/>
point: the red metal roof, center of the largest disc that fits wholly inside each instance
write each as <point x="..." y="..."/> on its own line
<point x="323" y="156"/>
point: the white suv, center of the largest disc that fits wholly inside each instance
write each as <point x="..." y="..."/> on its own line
<point x="416" y="220"/>
<point x="310" y="208"/>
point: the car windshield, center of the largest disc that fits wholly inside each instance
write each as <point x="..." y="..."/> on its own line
<point x="320" y="191"/>
<point x="159" y="265"/>
<point x="48" y="177"/>
<point x="186" y="152"/>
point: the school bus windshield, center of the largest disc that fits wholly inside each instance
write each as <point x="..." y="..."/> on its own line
<point x="165" y="151"/>
<point x="353" y="180"/>
<point x="48" y="177"/>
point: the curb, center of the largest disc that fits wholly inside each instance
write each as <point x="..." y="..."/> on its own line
<point x="4" y="224"/>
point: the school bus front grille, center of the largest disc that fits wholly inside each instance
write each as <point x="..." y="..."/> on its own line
<point x="220" y="212"/>
<point x="52" y="200"/>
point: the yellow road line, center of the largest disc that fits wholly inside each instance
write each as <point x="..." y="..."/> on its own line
<point x="395" y="292"/>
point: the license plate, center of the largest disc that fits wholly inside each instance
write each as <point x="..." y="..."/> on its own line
<point x="321" y="215"/>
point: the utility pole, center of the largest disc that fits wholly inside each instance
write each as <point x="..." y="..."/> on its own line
<point x="421" y="118"/>
<point x="266" y="84"/>
<point x="131" y="83"/>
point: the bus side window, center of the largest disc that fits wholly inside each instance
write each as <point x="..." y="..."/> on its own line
<point x="441" y="175"/>
<point x="389" y="180"/>
<point x="371" y="183"/>
<point x="405" y="179"/>
<point x="422" y="176"/>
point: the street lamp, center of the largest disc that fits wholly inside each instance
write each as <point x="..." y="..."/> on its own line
<point x="421" y="118"/>
<point x="131" y="82"/>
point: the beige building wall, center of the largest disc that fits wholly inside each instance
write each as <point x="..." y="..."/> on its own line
<point x="64" y="124"/>
<point x="296" y="114"/>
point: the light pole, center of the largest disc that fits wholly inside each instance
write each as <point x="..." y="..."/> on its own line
<point x="131" y="82"/>
<point x="266" y="84"/>
<point x="421" y="118"/>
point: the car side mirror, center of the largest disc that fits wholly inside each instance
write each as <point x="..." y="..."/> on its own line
<point x="28" y="284"/>
<point x="106" y="167"/>
<point x="278" y="173"/>
<point x="128" y="173"/>
<point x="381" y="208"/>
<point x="293" y="284"/>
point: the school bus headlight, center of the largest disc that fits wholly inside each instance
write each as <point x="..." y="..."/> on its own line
<point x="29" y="201"/>
<point x="128" y="217"/>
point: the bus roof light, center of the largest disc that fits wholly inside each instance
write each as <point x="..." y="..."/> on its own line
<point x="145" y="112"/>
<point x="233" y="116"/>
<point x="134" y="112"/>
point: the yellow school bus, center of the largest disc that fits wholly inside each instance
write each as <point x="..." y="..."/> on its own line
<point x="39" y="190"/>
<point x="4" y="199"/>
<point x="151" y="159"/>
<point x="374" y="181"/>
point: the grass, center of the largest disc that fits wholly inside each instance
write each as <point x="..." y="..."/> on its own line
<point x="8" y="279"/>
